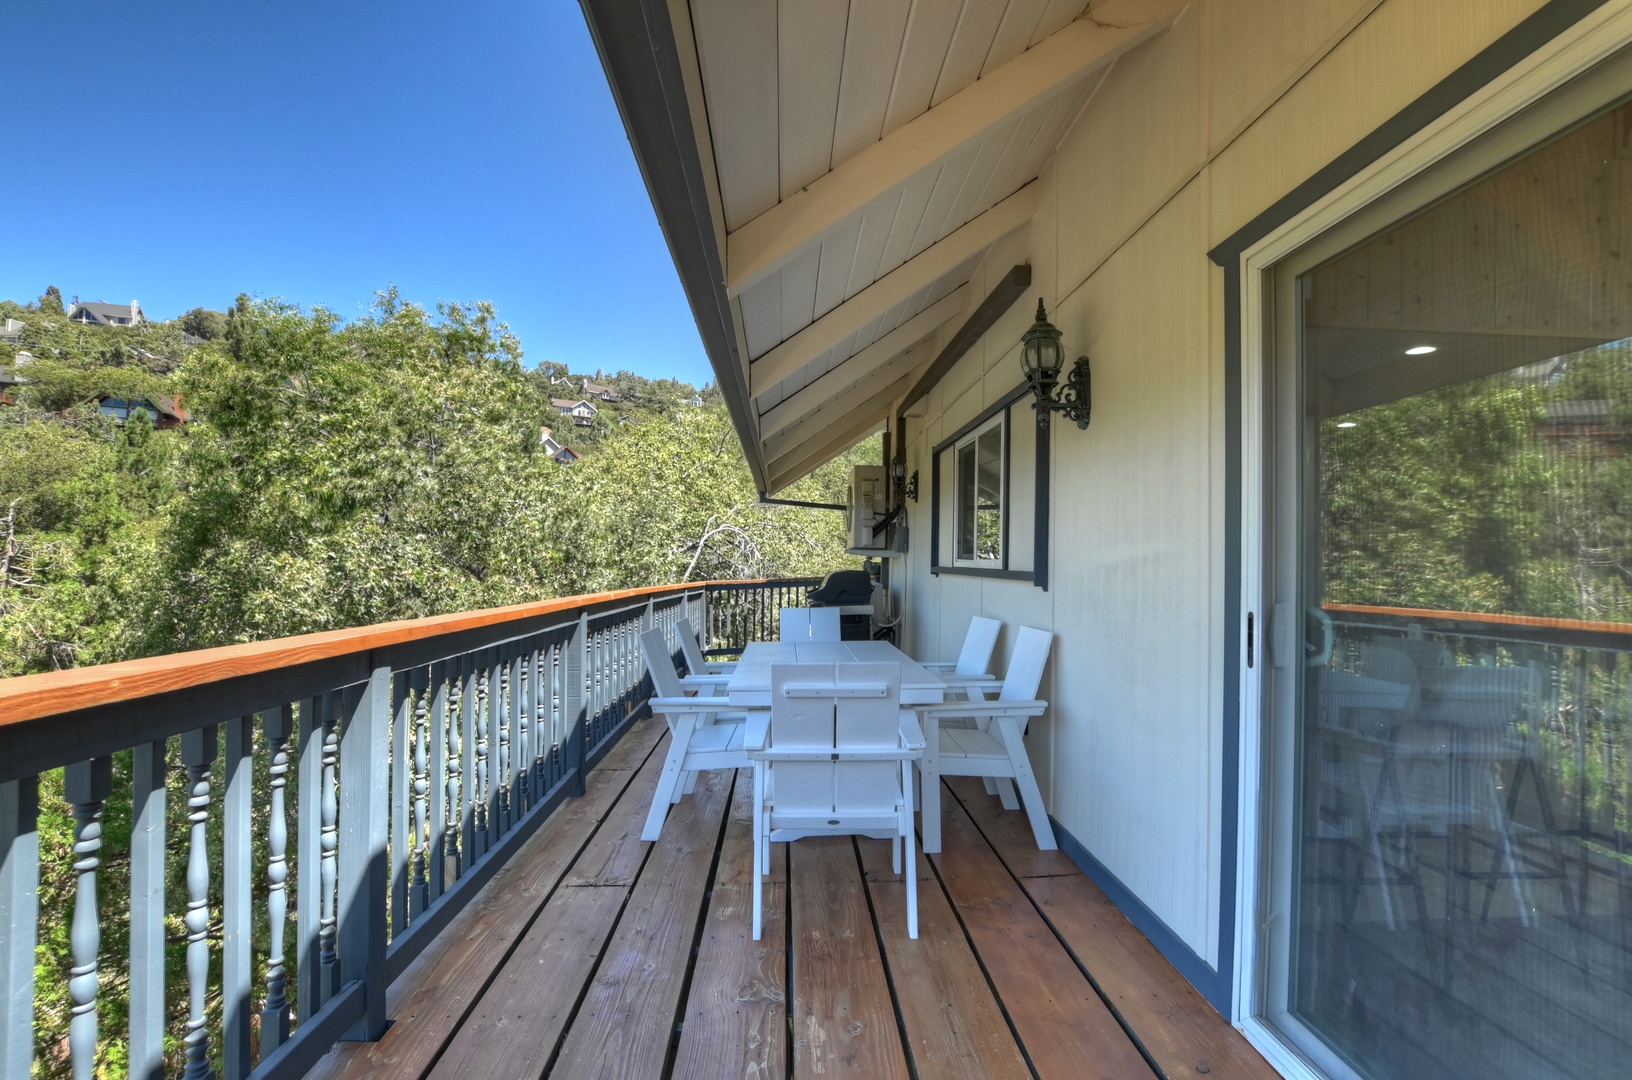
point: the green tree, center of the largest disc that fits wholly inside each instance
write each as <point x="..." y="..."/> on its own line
<point x="51" y="301"/>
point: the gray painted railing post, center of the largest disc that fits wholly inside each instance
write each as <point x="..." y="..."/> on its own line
<point x="147" y="843"/>
<point x="308" y="881"/>
<point x="574" y="706"/>
<point x="519" y="728"/>
<point x="87" y="786"/>
<point x="465" y="799"/>
<point x="237" y="962"/>
<point x="198" y="750"/>
<point x="504" y="795"/>
<point x="19" y="920"/>
<point x="363" y="865"/>
<point x="278" y="724"/>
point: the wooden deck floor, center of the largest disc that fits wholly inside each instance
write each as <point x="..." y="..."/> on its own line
<point x="596" y="955"/>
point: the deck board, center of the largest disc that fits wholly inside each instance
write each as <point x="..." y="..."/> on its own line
<point x="843" y="1018"/>
<point x="597" y="955"/>
<point x="1178" y="1028"/>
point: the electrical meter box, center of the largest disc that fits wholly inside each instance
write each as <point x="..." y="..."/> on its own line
<point x="869" y="503"/>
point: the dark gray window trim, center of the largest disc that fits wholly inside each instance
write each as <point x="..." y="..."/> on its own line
<point x="1540" y="27"/>
<point x="1038" y="574"/>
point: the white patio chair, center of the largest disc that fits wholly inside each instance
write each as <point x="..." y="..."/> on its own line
<point x="691" y="645"/>
<point x="810" y="624"/>
<point x="969" y="672"/>
<point x="995" y="747"/>
<point x="834" y="757"/>
<point x="701" y="736"/>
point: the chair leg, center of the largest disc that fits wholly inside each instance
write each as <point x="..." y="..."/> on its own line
<point x="691" y="783"/>
<point x="931" y="797"/>
<point x="1004" y="792"/>
<point x="1009" y="728"/>
<point x="989" y="784"/>
<point x="895" y="853"/>
<point x="911" y="855"/>
<point x="669" y="781"/>
<point x="759" y="855"/>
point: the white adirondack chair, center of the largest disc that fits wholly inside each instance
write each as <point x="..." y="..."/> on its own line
<point x="691" y="645"/>
<point x="968" y="673"/>
<point x="995" y="746"/>
<point x="810" y="624"/>
<point x="834" y="757"/>
<point x="701" y="736"/>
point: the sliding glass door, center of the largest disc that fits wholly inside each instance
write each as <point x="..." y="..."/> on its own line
<point x="1450" y="890"/>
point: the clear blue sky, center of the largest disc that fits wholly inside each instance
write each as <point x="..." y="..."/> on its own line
<point x="182" y="152"/>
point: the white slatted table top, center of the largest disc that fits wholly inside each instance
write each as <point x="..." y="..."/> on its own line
<point x="750" y="685"/>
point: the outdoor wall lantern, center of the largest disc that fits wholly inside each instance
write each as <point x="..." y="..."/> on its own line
<point x="1041" y="358"/>
<point x="905" y="487"/>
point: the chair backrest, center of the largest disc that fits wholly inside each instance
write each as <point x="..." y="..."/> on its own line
<point x="660" y="664"/>
<point x="689" y="645"/>
<point x="835" y="708"/>
<point x="810" y="624"/>
<point x="1025" y="672"/>
<point x="978" y="644"/>
<point x="795" y="623"/>
<point x="824" y="624"/>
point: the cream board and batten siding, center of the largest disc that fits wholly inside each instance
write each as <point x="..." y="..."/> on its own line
<point x="1184" y="141"/>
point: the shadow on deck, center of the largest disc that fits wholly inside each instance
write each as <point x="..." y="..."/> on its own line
<point x="594" y="954"/>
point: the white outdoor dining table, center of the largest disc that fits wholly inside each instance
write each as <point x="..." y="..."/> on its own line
<point x="750" y="685"/>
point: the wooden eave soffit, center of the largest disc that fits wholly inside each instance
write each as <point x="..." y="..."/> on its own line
<point x="775" y="238"/>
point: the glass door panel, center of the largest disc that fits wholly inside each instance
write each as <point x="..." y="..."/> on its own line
<point x="1458" y="889"/>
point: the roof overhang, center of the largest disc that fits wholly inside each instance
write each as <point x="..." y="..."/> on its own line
<point x="829" y="181"/>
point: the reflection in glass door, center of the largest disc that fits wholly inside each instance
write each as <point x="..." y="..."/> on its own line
<point x="1456" y="856"/>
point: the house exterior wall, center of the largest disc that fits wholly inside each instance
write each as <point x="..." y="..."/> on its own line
<point x="1186" y="140"/>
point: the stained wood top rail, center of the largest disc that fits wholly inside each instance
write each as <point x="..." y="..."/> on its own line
<point x="1538" y="622"/>
<point x="32" y="697"/>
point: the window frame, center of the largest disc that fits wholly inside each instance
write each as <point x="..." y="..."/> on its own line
<point x="1020" y="397"/>
<point x="971" y="441"/>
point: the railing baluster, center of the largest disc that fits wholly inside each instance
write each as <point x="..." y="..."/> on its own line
<point x="574" y="708"/>
<point x="147" y="843"/>
<point x="481" y="795"/>
<point x="197" y="753"/>
<point x="469" y="797"/>
<point x="504" y="795"/>
<point x="519" y="726"/>
<point x="237" y="963"/>
<point x="87" y="786"/>
<point x="401" y="721"/>
<point x="443" y="778"/>
<point x="278" y="723"/>
<point x="20" y="916"/>
<point x="419" y="852"/>
<point x="308" y="859"/>
<point x="328" y="959"/>
<point x="363" y="864"/>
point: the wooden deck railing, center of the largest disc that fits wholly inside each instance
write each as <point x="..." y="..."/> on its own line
<point x="416" y="757"/>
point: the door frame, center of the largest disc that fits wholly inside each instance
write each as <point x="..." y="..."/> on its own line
<point x="1435" y="145"/>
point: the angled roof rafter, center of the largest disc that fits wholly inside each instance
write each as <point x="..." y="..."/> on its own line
<point x="842" y="400"/>
<point x="966" y="242"/>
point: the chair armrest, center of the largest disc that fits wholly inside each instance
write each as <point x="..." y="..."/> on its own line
<point x="675" y="706"/>
<point x="756" y="732"/>
<point x="937" y="665"/>
<point x="978" y="709"/>
<point x="955" y="679"/>
<point x="912" y="736"/>
<point x="720" y="667"/>
<point x="705" y="679"/>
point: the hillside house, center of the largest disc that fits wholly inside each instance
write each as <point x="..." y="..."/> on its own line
<point x="98" y="314"/>
<point x="583" y="413"/>
<point x="166" y="412"/>
<point x="596" y="390"/>
<point x="11" y="330"/>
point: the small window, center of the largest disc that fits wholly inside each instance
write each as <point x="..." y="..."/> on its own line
<point x="979" y="484"/>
